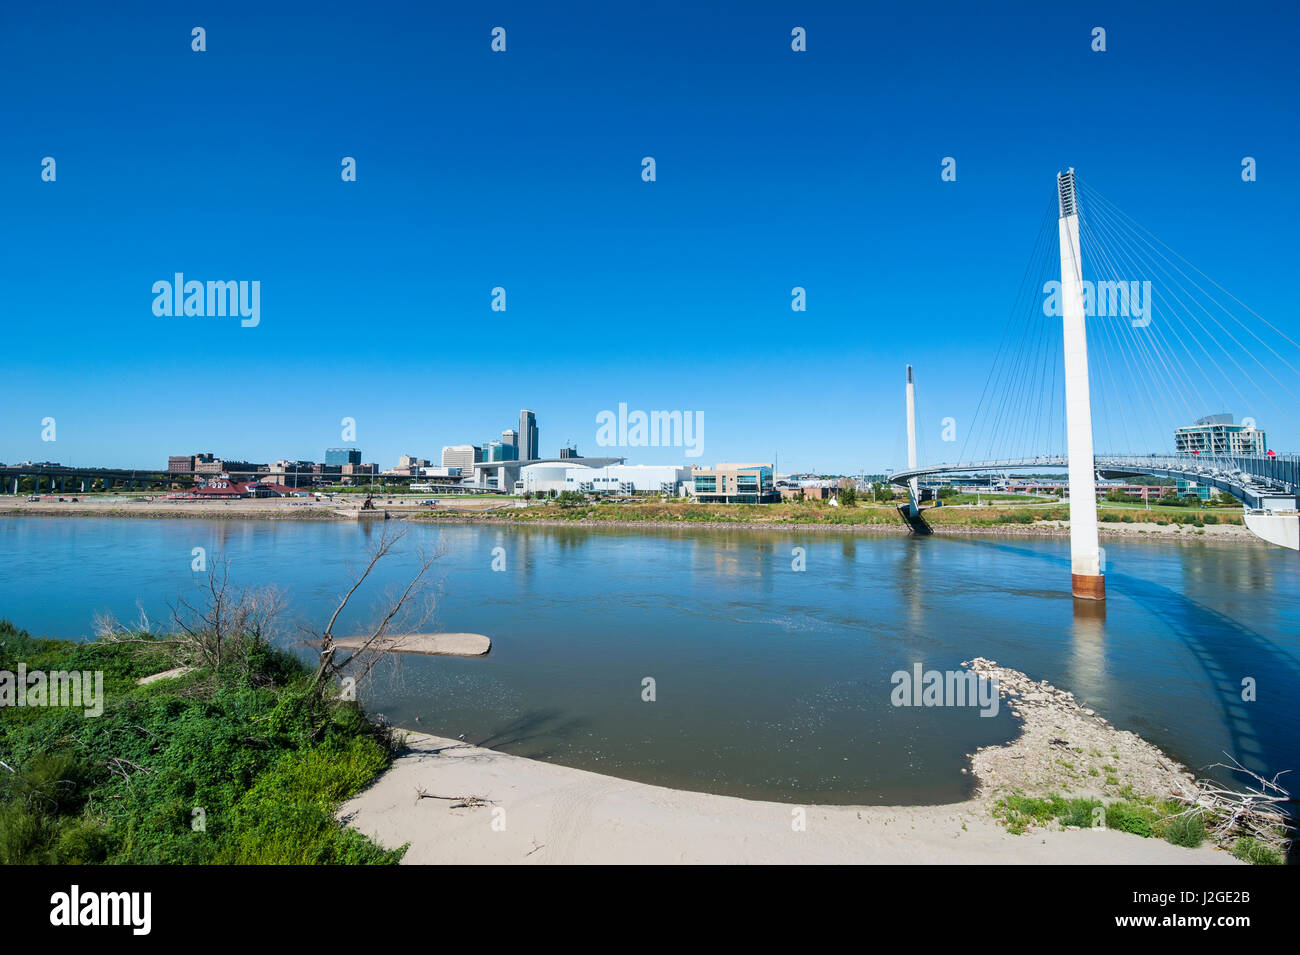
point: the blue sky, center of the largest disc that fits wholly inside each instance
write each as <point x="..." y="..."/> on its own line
<point x="522" y="170"/>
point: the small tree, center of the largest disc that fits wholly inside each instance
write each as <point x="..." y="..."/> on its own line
<point x="385" y="636"/>
<point x="215" y="634"/>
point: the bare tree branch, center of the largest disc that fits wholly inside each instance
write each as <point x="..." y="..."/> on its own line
<point x="378" y="645"/>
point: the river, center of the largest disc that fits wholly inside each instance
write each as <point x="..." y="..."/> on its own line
<point x="769" y="681"/>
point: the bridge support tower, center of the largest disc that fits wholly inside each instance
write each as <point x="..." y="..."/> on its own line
<point x="913" y="491"/>
<point x="1087" y="580"/>
<point x="911" y="511"/>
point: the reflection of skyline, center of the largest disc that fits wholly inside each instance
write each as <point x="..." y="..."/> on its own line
<point x="911" y="565"/>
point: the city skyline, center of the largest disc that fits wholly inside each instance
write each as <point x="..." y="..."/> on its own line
<point x="775" y="171"/>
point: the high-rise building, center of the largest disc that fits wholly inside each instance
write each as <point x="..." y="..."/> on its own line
<point x="510" y="437"/>
<point x="527" y="435"/>
<point x="500" y="451"/>
<point x="337" y="456"/>
<point x="463" y="456"/>
<point x="566" y="453"/>
<point x="1216" y="434"/>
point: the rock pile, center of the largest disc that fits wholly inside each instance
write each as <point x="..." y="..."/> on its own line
<point x="1067" y="748"/>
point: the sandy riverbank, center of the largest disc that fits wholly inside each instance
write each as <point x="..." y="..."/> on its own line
<point x="472" y="512"/>
<point x="532" y="812"/>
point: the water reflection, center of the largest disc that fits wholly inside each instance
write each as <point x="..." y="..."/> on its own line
<point x="1088" y="645"/>
<point x="772" y="682"/>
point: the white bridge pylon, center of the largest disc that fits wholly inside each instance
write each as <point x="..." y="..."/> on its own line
<point x="1086" y="578"/>
<point x="913" y="484"/>
<point x="1267" y="483"/>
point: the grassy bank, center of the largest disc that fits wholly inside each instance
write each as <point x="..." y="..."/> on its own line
<point x="1145" y="817"/>
<point x="240" y="764"/>
<point x="817" y="512"/>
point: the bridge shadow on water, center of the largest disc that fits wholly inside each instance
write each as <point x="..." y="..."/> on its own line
<point x="1225" y="649"/>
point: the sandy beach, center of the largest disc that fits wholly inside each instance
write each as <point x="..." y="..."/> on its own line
<point x="548" y="814"/>
<point x="457" y="803"/>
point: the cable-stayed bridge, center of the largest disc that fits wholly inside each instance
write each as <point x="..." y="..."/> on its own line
<point x="1114" y="333"/>
<point x="1258" y="481"/>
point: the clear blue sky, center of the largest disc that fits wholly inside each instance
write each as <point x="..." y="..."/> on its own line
<point x="522" y="170"/>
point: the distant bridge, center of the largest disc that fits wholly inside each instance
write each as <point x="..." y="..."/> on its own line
<point x="1259" y="481"/>
<point x="1180" y="350"/>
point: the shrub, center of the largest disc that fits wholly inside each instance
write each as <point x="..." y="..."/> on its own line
<point x="264" y="759"/>
<point x="1255" y="852"/>
<point x="1128" y="817"/>
<point x="1016" y="517"/>
<point x="1080" y="813"/>
<point x="1186" y="831"/>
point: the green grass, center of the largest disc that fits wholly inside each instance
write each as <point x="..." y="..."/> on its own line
<point x="243" y="766"/>
<point x="1019" y="812"/>
<point x="1186" y="831"/>
<point x="1145" y="817"/>
<point x="1255" y="852"/>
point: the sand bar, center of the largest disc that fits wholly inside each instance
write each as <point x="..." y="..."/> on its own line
<point x="435" y="644"/>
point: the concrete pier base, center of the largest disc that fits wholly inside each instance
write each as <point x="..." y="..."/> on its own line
<point x="1282" y="529"/>
<point x="1088" y="586"/>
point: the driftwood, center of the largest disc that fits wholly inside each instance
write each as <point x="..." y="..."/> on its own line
<point x="461" y="802"/>
<point x="1231" y="814"/>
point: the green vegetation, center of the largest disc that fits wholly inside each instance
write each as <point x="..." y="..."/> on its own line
<point x="243" y="761"/>
<point x="572" y="506"/>
<point x="1186" y="831"/>
<point x="655" y="510"/>
<point x="1255" y="852"/>
<point x="1019" y="812"/>
<point x="1141" y="816"/>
